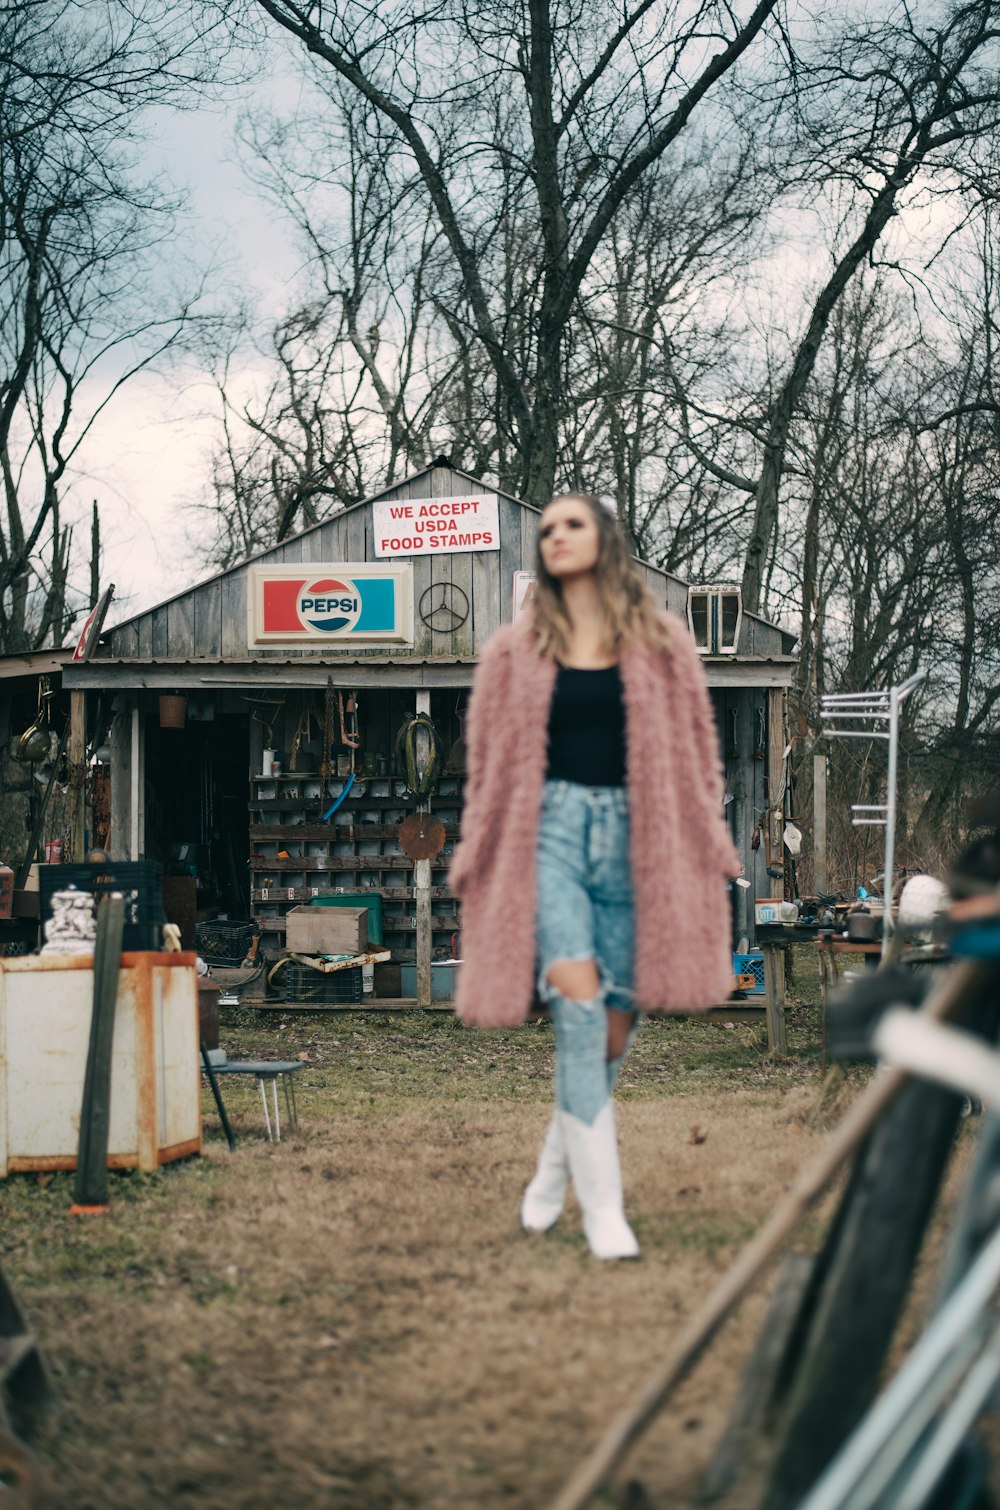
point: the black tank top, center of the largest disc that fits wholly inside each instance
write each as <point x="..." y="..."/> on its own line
<point x="587" y="728"/>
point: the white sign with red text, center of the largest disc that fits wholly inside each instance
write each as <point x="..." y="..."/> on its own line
<point x="435" y="526"/>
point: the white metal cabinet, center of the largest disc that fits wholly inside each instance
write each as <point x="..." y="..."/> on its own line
<point x="46" y="1004"/>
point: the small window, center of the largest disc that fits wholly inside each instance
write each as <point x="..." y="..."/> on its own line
<point x="698" y="617"/>
<point x="715" y="613"/>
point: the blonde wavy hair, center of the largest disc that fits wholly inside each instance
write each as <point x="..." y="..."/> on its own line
<point x="631" y="614"/>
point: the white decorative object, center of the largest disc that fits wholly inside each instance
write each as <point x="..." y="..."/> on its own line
<point x="72" y="928"/>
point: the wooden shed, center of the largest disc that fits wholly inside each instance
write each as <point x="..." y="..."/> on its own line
<point x="216" y="706"/>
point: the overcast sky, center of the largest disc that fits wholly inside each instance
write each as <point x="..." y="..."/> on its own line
<point x="147" y="457"/>
<point x="147" y="460"/>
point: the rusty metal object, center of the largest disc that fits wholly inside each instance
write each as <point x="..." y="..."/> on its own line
<point x="421" y="836"/>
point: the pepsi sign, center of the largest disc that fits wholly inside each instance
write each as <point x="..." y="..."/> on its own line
<point x="354" y="601"/>
<point x="329" y="605"/>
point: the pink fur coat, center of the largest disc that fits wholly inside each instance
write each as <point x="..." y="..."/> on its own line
<point x="681" y="850"/>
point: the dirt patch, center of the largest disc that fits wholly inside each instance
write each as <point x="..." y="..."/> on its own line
<point x="353" y="1319"/>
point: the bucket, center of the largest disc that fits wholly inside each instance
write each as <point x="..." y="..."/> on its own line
<point x="173" y="711"/>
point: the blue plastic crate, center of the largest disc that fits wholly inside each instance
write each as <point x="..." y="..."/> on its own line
<point x="751" y="964"/>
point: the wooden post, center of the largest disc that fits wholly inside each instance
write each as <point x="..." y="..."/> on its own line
<point x="422" y="875"/>
<point x="121" y="787"/>
<point x="776" y="780"/>
<point x="774" y="964"/>
<point x="95" y="1112"/>
<point x="137" y="796"/>
<point x="774" y="1002"/>
<point x="819" y="825"/>
<point x="78" y="775"/>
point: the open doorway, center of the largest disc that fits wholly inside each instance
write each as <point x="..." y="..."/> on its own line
<point x="196" y="805"/>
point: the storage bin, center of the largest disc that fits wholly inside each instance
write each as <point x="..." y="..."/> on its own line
<point x="46" y="1004"/>
<point x="357" y="899"/>
<point x="327" y="930"/>
<point x="298" y="983"/>
<point x="224" y="943"/>
<point x="751" y="964"/>
<point x="767" y="910"/>
<point x="444" y="979"/>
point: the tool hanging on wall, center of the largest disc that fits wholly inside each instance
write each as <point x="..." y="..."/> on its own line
<point x="421" y="836"/>
<point x="36" y="741"/>
<point x="275" y="704"/>
<point x="42" y="809"/>
<point x="325" y="769"/>
<point x="347" y="712"/>
<point x="419" y="780"/>
<point x="303" y="732"/>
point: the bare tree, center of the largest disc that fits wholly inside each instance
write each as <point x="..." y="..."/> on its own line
<point x="885" y="106"/>
<point x="400" y="315"/>
<point x="361" y="371"/>
<point x="78" y="238"/>
<point x="890" y="548"/>
<point x="537" y="124"/>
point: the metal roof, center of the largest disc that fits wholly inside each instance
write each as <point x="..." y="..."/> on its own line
<point x="33" y="663"/>
<point x="360" y="671"/>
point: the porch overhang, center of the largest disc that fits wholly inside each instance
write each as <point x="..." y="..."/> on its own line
<point x="356" y="672"/>
<point x="203" y="675"/>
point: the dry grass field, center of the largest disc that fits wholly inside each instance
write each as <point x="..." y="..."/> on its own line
<point x="352" y="1318"/>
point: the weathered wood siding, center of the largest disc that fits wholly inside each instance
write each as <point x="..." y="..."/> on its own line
<point x="209" y="621"/>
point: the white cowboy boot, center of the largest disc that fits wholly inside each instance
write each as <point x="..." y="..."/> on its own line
<point x="592" y="1149"/>
<point x="543" y="1200"/>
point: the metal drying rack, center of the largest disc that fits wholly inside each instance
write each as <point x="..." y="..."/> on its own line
<point x="880" y="712"/>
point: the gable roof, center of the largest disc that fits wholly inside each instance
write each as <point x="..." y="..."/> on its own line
<point x="277" y="551"/>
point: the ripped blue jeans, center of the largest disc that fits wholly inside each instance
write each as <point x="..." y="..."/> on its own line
<point x="585" y="911"/>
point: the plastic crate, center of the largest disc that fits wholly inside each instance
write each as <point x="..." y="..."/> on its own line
<point x="224" y="943"/>
<point x="297" y="983"/>
<point x="751" y="964"/>
<point x="140" y="882"/>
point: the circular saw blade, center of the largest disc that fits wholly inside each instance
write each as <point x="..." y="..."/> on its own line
<point x="421" y="836"/>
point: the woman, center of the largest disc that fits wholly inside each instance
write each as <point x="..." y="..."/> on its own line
<point x="594" y="856"/>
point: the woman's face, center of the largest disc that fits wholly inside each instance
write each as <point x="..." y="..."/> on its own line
<point x="568" y="539"/>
